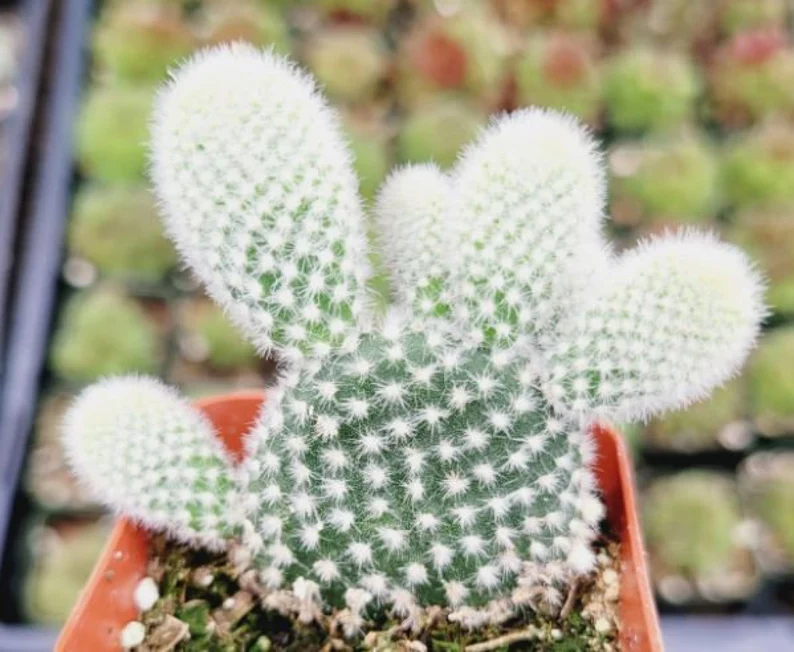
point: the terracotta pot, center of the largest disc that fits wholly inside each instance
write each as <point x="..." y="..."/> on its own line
<point x="106" y="604"/>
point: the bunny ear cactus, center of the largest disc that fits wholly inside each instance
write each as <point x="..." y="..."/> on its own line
<point x="442" y="454"/>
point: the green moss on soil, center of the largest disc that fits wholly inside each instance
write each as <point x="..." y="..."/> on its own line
<point x="224" y="614"/>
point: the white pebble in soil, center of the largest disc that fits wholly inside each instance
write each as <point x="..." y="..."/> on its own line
<point x="132" y="635"/>
<point x="146" y="594"/>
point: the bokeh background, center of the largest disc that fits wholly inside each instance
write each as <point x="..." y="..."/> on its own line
<point x="693" y="101"/>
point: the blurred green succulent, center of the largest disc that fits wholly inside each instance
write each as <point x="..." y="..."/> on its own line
<point x="768" y="236"/>
<point x="752" y="78"/>
<point x="768" y="480"/>
<point x="739" y="15"/>
<point x="48" y="477"/>
<point x="672" y="178"/>
<point x="112" y="130"/>
<point x="224" y="348"/>
<point x="349" y="61"/>
<point x="584" y="15"/>
<point x="758" y="168"/>
<point x="690" y="521"/>
<point x="369" y="144"/>
<point x="437" y="131"/>
<point x="771" y="373"/>
<point x="138" y="41"/>
<point x="679" y="24"/>
<point x="649" y="89"/>
<point x="245" y="20"/>
<point x="101" y="333"/>
<point x="467" y="51"/>
<point x="63" y="565"/>
<point x="372" y="10"/>
<point x="118" y="230"/>
<point x="557" y="71"/>
<point x="718" y="421"/>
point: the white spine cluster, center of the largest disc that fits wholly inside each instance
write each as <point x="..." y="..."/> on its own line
<point x="146" y="453"/>
<point x="260" y="197"/>
<point x="404" y="463"/>
<point x="678" y="318"/>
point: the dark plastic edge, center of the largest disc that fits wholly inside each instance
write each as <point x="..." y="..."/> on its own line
<point x="38" y="270"/>
<point x="20" y="129"/>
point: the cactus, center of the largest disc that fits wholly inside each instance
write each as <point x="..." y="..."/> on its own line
<point x="86" y="347"/>
<point x="117" y="229"/>
<point x="768" y="484"/>
<point x="441" y="454"/>
<point x="768" y="235"/>
<point x="558" y="72"/>
<point x="663" y="180"/>
<point x="582" y="15"/>
<point x="771" y="377"/>
<point x="62" y="566"/>
<point x="752" y="78"/>
<point x="737" y="16"/>
<point x="111" y="132"/>
<point x="649" y="89"/>
<point x="758" y="168"/>
<point x="350" y="62"/>
<point x="47" y="476"/>
<point x="369" y="144"/>
<point x="466" y="51"/>
<point x="168" y="471"/>
<point x="437" y="131"/>
<point x="245" y="20"/>
<point x="679" y="24"/>
<point x="718" y="422"/>
<point x="690" y="521"/>
<point x="375" y="11"/>
<point x="139" y="41"/>
<point x="210" y="333"/>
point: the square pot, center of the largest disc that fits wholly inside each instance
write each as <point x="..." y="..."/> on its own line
<point x="106" y="604"/>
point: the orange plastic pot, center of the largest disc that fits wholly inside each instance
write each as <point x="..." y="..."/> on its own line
<point x="106" y="604"/>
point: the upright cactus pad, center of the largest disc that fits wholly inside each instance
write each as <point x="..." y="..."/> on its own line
<point x="260" y="197"/>
<point x="439" y="455"/>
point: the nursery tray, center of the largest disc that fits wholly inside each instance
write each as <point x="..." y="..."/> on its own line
<point x="18" y="130"/>
<point x="37" y="267"/>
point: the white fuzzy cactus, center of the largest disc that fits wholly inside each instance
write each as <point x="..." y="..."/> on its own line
<point x="260" y="197"/>
<point x="418" y="233"/>
<point x="677" y="318"/>
<point x="531" y="195"/>
<point x="412" y="461"/>
<point x="146" y="453"/>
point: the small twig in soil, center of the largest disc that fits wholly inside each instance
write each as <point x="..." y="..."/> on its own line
<point x="569" y="601"/>
<point x="502" y="641"/>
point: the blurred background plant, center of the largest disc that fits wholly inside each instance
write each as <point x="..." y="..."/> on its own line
<point x="694" y="102"/>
